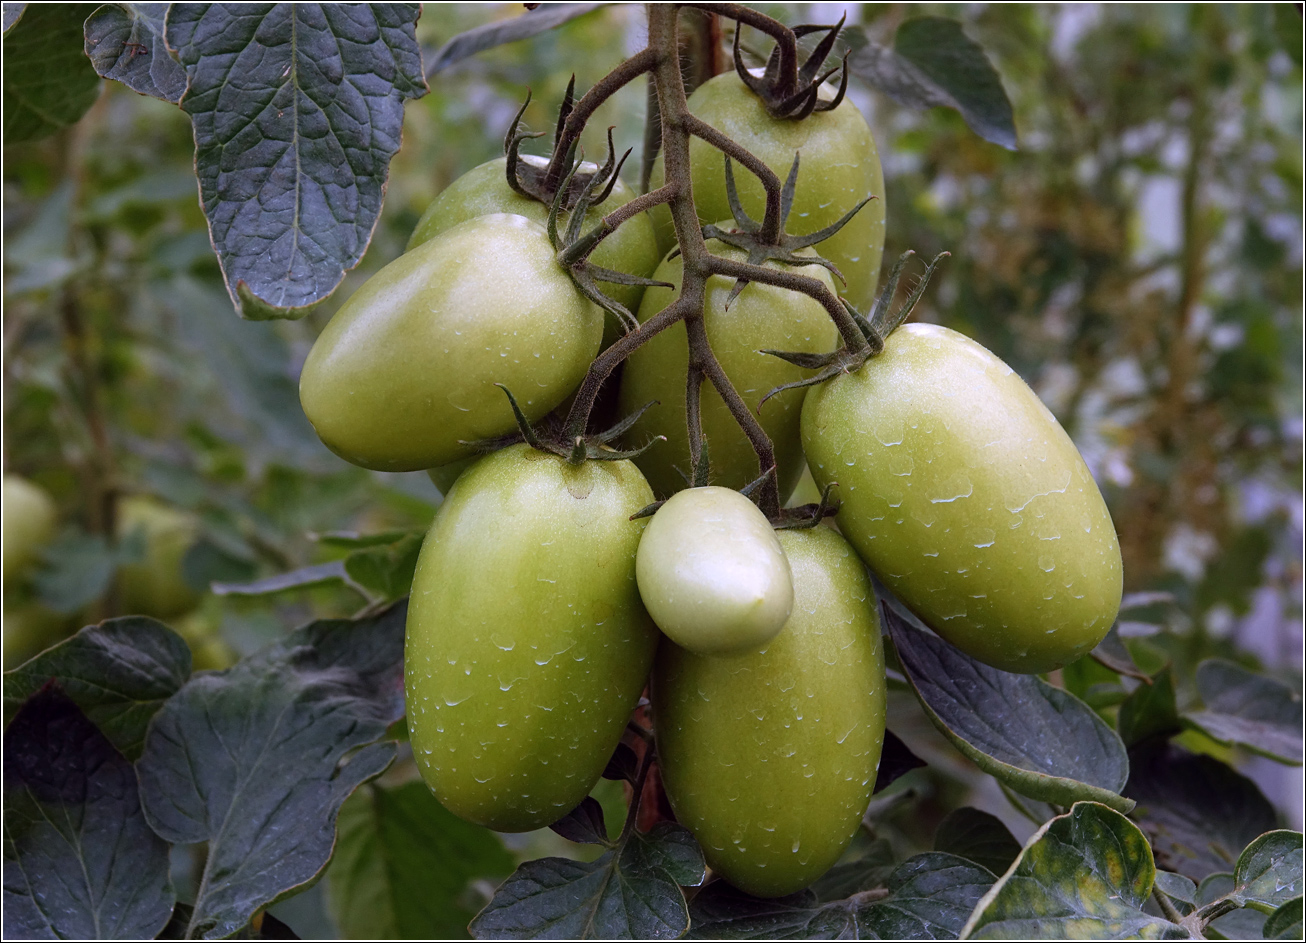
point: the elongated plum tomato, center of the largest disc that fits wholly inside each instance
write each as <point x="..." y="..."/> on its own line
<point x="770" y="757"/>
<point x="405" y="371"/>
<point x="632" y="249"/>
<point x="528" y="646"/>
<point x="964" y="494"/>
<point x="712" y="574"/>
<point x="840" y="166"/>
<point x="762" y="317"/>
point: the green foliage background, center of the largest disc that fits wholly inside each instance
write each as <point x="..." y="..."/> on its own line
<point x="1138" y="260"/>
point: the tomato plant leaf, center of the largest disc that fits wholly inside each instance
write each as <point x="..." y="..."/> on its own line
<point x="1111" y="653"/>
<point x="402" y="863"/>
<point x="80" y="862"/>
<point x="1083" y="874"/>
<point x="125" y="43"/>
<point x="932" y="63"/>
<point x="303" y="578"/>
<point x="1177" y="887"/>
<point x="1197" y="811"/>
<point x="977" y="836"/>
<point x="76" y="569"/>
<point x="895" y="760"/>
<point x="1037" y="739"/>
<point x="297" y="111"/>
<point x="1248" y="708"/>
<point x="256" y="760"/>
<point x="862" y="872"/>
<point x="119" y="673"/>
<point x="48" y="81"/>
<point x="1269" y="871"/>
<point x="531" y="23"/>
<point x="1149" y="711"/>
<point x="1285" y="923"/>
<point x="927" y="897"/>
<point x="386" y="571"/>
<point x="584" y="824"/>
<point x="630" y="893"/>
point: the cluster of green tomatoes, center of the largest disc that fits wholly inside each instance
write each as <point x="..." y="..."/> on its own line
<point x="543" y="604"/>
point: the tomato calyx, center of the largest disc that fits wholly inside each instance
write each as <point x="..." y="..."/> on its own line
<point x="807" y="516"/>
<point x="751" y="236"/>
<point x="882" y="322"/>
<point x="548" y="436"/>
<point x="792" y="91"/>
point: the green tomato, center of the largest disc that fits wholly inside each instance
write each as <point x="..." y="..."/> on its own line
<point x="964" y="494"/>
<point x="632" y="249"/>
<point x="444" y="476"/>
<point x="770" y="757"/>
<point x="840" y="166"/>
<point x="712" y="574"/>
<point x="406" y="370"/>
<point x="762" y="317"/>
<point x="29" y="523"/>
<point x="30" y="628"/>
<point x="155" y="586"/>
<point x="528" y="646"/>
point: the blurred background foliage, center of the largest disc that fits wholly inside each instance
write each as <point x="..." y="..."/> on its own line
<point x="1138" y="260"/>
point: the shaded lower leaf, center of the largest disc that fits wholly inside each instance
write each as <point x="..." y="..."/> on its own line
<point x="977" y="836"/>
<point x="531" y="23"/>
<point x="1037" y="739"/>
<point x="386" y="571"/>
<point x="1248" y="708"/>
<point x="927" y="897"/>
<point x="1083" y="875"/>
<point x="583" y="824"/>
<point x="79" y="859"/>
<point x="1177" y="887"/>
<point x="48" y="81"/>
<point x="1244" y="924"/>
<point x="1285" y="923"/>
<point x="118" y="672"/>
<point x="864" y="869"/>
<point x="256" y="760"/>
<point x="1269" y="871"/>
<point x="1197" y="811"/>
<point x="77" y="569"/>
<point x="630" y="893"/>
<point x="1149" y="711"/>
<point x="1111" y="653"/>
<point x="895" y="760"/>
<point x="125" y="42"/>
<point x="402" y="863"/>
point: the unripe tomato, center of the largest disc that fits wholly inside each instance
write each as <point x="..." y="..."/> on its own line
<point x="712" y="574"/>
<point x="528" y="646"/>
<point x="839" y="167"/>
<point x="29" y="522"/>
<point x="632" y="249"/>
<point x="770" y="757"/>
<point x="444" y="476"/>
<point x="406" y="369"/>
<point x="965" y="495"/>
<point x="29" y="628"/>
<point x="155" y="586"/>
<point x="762" y="317"/>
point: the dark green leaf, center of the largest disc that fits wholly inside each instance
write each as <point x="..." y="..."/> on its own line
<point x="256" y="760"/>
<point x="207" y="562"/>
<point x="387" y="571"/>
<point x="531" y="23"/>
<point x="583" y="824"/>
<point x="1083" y="875"/>
<point x="12" y="13"/>
<point x="1149" y="711"/>
<point x="296" y="579"/>
<point x="118" y="672"/>
<point x="895" y="760"/>
<point x="1197" y="811"/>
<point x="1038" y="739"/>
<point x="80" y="862"/>
<point x="297" y="111"/>
<point x="48" y="81"/>
<point x="623" y="764"/>
<point x="1269" y="871"/>
<point x="861" y="869"/>
<point x="350" y="540"/>
<point x="927" y="897"/>
<point x="1112" y="653"/>
<point x="77" y="571"/>
<point x="125" y="43"/>
<point x="934" y="63"/>
<point x="402" y="863"/>
<point x="1244" y="707"/>
<point x="1286" y="922"/>
<point x="630" y="893"/>
<point x="977" y="836"/>
<point x="1177" y="886"/>
<point x="1245" y="924"/>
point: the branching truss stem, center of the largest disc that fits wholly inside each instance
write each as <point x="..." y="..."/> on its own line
<point x="660" y="59"/>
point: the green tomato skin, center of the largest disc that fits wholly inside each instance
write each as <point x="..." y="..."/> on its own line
<point x="29" y="523"/>
<point x="964" y="494"/>
<point x="839" y="166"/>
<point x="444" y="476"/>
<point x="404" y="373"/>
<point x="762" y="317"/>
<point x="770" y="757"/>
<point x="155" y="586"/>
<point x="528" y="645"/>
<point x="632" y="249"/>
<point x="712" y="574"/>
